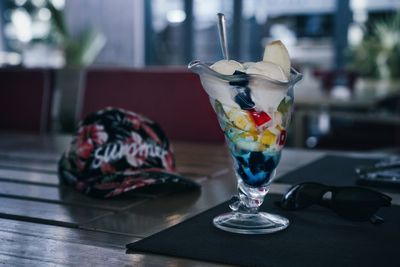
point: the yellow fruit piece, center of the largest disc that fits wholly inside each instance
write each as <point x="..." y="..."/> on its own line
<point x="268" y="138"/>
<point x="242" y="120"/>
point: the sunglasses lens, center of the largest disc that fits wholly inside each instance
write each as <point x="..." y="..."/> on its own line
<point x="302" y="196"/>
<point x="357" y="203"/>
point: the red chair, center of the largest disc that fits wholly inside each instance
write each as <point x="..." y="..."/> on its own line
<point x="174" y="98"/>
<point x="25" y="100"/>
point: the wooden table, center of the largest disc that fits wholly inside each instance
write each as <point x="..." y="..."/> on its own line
<point x="44" y="223"/>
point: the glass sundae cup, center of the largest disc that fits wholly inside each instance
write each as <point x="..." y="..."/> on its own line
<point x="254" y="112"/>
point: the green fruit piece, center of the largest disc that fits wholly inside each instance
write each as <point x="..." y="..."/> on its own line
<point x="284" y="106"/>
<point x="219" y="109"/>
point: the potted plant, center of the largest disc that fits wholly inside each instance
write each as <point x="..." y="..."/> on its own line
<point x="80" y="52"/>
<point x="377" y="58"/>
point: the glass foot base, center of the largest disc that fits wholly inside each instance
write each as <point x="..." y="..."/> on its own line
<point x="258" y="223"/>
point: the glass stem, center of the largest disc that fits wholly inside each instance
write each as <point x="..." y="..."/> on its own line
<point x="249" y="199"/>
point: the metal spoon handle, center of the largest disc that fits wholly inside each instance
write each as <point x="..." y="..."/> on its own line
<point x="222" y="35"/>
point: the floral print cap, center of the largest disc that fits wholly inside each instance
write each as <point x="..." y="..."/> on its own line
<point x="116" y="151"/>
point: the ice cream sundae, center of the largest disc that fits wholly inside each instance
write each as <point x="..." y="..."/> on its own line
<point x="253" y="102"/>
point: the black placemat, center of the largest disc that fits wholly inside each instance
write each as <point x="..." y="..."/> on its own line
<point x="336" y="171"/>
<point x="315" y="237"/>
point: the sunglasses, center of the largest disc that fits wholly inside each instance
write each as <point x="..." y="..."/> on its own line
<point x="353" y="203"/>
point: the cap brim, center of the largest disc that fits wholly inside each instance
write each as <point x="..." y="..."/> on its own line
<point x="155" y="183"/>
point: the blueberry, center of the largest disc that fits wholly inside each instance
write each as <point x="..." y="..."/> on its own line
<point x="243" y="98"/>
<point x="251" y="179"/>
<point x="256" y="168"/>
<point x="241" y="80"/>
<point x="241" y="161"/>
<point x="270" y="164"/>
<point x="256" y="162"/>
<point x="238" y="72"/>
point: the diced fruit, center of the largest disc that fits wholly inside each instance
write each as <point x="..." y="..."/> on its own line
<point x="243" y="98"/>
<point x="282" y="137"/>
<point x="277" y="53"/>
<point x="285" y="104"/>
<point x="219" y="109"/>
<point x="269" y="69"/>
<point x="275" y="131"/>
<point x="261" y="119"/>
<point x="242" y="120"/>
<point x="269" y="138"/>
<point x="241" y="79"/>
<point x="238" y="72"/>
<point x="227" y="67"/>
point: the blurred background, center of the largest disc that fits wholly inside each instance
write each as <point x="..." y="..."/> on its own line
<point x="60" y="60"/>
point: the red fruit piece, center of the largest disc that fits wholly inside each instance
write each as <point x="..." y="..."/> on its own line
<point x="260" y="118"/>
<point x="282" y="137"/>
